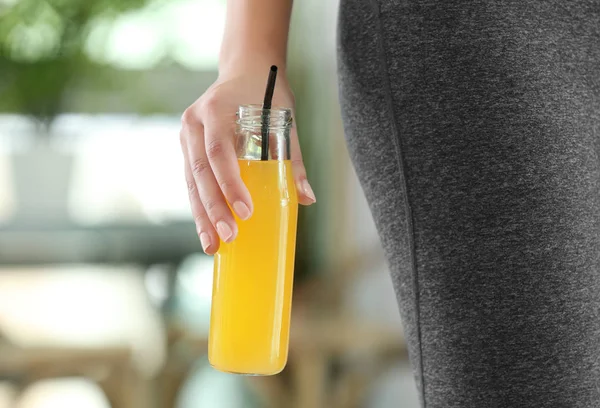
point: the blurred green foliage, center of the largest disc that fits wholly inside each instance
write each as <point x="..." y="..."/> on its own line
<point x="41" y="50"/>
<point x="43" y="60"/>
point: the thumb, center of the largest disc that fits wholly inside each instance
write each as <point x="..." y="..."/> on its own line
<point x="306" y="196"/>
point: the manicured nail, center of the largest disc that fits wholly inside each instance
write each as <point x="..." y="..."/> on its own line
<point x="308" y="191"/>
<point x="241" y="210"/>
<point x="224" y="231"/>
<point x="204" y="240"/>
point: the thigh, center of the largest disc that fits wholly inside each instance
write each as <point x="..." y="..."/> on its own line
<point x="474" y="128"/>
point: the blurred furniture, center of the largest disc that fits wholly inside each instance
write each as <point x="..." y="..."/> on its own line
<point x="334" y="357"/>
<point x="61" y="243"/>
<point x="7" y="394"/>
<point x="64" y="243"/>
<point x="81" y="320"/>
<point x="359" y="350"/>
<point x="109" y="367"/>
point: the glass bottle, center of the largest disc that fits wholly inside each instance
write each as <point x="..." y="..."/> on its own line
<point x="253" y="275"/>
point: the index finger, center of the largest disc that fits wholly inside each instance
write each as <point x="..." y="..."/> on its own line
<point x="219" y="141"/>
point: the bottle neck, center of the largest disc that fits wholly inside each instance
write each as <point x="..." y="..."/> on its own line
<point x="263" y="134"/>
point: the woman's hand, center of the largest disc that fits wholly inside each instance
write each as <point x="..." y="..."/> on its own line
<point x="211" y="168"/>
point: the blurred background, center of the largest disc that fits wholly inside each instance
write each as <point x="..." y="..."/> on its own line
<point x="104" y="290"/>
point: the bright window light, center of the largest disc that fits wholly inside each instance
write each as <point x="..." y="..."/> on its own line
<point x="187" y="31"/>
<point x="134" y="41"/>
<point x="198" y="29"/>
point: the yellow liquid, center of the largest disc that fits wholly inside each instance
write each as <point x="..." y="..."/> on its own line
<point x="253" y="276"/>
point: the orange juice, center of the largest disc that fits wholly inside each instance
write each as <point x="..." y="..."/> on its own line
<point x="253" y="276"/>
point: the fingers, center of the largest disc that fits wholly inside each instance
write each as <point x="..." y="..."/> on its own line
<point x="220" y="151"/>
<point x="207" y="234"/>
<point x="213" y="174"/>
<point x="306" y="196"/>
<point x="210" y="194"/>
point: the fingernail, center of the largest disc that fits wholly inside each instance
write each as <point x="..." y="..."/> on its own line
<point x="308" y="191"/>
<point x="224" y="231"/>
<point x="241" y="210"/>
<point x="204" y="240"/>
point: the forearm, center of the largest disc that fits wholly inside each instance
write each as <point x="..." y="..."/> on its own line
<point x="256" y="34"/>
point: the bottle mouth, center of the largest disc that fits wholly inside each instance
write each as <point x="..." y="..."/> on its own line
<point x="252" y="116"/>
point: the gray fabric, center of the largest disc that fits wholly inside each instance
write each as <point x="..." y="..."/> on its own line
<point x="474" y="128"/>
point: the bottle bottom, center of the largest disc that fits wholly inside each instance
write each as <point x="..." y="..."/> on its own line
<point x="248" y="373"/>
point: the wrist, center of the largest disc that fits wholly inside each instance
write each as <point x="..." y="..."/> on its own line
<point x="250" y="62"/>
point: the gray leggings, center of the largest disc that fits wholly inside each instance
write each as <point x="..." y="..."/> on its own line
<point x="474" y="128"/>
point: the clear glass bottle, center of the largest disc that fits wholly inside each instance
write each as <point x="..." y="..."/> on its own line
<point x="253" y="275"/>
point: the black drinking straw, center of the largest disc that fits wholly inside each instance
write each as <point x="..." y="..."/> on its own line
<point x="264" y="154"/>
